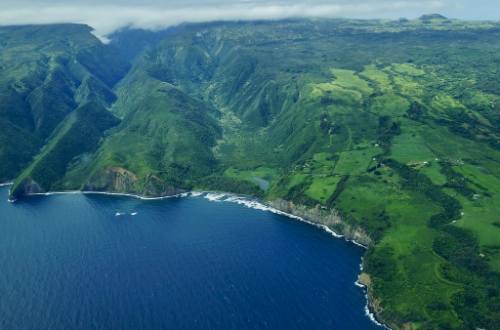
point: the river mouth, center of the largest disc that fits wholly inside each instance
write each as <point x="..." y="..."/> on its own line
<point x="82" y="261"/>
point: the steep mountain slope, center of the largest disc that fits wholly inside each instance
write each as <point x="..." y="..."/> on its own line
<point x="393" y="125"/>
<point x="162" y="145"/>
<point x="77" y="135"/>
<point x="45" y="73"/>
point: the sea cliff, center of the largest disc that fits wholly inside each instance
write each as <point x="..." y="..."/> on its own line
<point x="326" y="217"/>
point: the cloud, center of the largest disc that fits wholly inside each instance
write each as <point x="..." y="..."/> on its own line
<point x="106" y="17"/>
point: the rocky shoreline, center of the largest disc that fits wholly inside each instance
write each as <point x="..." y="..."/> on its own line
<point x="326" y="217"/>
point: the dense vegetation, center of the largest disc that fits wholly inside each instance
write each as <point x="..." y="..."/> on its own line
<point x="46" y="72"/>
<point x="395" y="124"/>
<point x="73" y="140"/>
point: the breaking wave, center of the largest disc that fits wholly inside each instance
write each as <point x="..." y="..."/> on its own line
<point x="254" y="204"/>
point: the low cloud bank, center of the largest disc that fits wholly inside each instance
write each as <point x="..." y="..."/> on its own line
<point x="106" y="18"/>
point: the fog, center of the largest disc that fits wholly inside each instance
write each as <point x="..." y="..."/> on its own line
<point x="105" y="16"/>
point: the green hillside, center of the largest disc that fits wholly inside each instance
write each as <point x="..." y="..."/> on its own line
<point x="78" y="135"/>
<point x="163" y="144"/>
<point x="45" y="73"/>
<point x="393" y="124"/>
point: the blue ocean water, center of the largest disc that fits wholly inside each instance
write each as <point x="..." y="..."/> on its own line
<point x="69" y="262"/>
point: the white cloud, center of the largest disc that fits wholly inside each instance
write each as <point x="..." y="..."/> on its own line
<point x="106" y="18"/>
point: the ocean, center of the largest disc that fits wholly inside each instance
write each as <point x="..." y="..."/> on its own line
<point x="105" y="262"/>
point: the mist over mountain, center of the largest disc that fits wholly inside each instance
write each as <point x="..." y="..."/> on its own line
<point x="110" y="15"/>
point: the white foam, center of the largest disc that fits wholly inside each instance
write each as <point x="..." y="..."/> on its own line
<point x="5" y="184"/>
<point x="79" y="192"/>
<point x="133" y="213"/>
<point x="372" y="317"/>
<point x="214" y="197"/>
<point x="368" y="312"/>
<point x="357" y="243"/>
<point x="128" y="195"/>
<point x="359" y="285"/>
<point x="117" y="214"/>
<point x="53" y="193"/>
<point x="253" y="204"/>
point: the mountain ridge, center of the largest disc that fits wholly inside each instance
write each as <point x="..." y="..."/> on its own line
<point x="395" y="125"/>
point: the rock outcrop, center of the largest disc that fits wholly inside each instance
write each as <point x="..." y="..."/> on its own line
<point x="120" y="180"/>
<point x="323" y="216"/>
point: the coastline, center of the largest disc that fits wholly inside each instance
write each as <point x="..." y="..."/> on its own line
<point x="7" y="184"/>
<point x="213" y="196"/>
<point x="246" y="201"/>
<point x="369" y="309"/>
<point x="90" y="192"/>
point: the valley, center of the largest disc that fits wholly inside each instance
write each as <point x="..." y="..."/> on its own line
<point x="393" y="125"/>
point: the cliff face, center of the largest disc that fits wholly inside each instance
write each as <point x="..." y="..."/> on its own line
<point x="111" y="180"/>
<point x="28" y="187"/>
<point x="120" y="180"/>
<point x="322" y="216"/>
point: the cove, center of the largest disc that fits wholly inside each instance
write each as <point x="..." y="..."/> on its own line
<point x="106" y="262"/>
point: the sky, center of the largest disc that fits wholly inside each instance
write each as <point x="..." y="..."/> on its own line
<point x="106" y="16"/>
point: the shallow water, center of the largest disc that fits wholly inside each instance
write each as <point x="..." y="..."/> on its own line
<point x="101" y="262"/>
